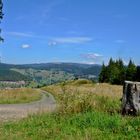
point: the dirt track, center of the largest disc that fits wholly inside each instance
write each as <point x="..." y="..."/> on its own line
<point x="19" y="111"/>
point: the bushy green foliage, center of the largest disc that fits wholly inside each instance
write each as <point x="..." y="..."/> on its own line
<point x="103" y="77"/>
<point x="131" y="71"/>
<point x="116" y="72"/>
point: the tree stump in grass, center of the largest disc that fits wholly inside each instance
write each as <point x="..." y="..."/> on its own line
<point x="131" y="98"/>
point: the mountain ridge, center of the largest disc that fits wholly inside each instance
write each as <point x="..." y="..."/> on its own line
<point x="59" y="70"/>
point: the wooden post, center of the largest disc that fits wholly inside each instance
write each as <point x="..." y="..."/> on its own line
<point x="131" y="98"/>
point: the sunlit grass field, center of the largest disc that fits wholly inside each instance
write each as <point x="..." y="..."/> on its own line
<point x="77" y="96"/>
<point x="21" y="95"/>
<point x="86" y="111"/>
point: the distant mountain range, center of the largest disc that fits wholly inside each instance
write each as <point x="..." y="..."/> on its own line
<point x="12" y="71"/>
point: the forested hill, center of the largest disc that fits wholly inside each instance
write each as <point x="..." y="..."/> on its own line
<point x="9" y="75"/>
<point x="73" y="68"/>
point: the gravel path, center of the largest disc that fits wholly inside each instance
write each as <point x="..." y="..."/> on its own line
<point x="18" y="111"/>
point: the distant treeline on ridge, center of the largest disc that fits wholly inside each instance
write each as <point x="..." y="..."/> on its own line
<point x="116" y="72"/>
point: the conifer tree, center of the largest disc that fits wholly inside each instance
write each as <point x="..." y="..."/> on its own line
<point x="131" y="71"/>
<point x="114" y="73"/>
<point x="122" y="70"/>
<point x="103" y="74"/>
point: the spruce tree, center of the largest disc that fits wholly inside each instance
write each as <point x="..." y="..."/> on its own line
<point x="112" y="71"/>
<point x="122" y="70"/>
<point x="103" y="74"/>
<point x="131" y="71"/>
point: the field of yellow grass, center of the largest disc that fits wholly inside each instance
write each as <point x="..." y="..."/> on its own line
<point x="74" y="97"/>
<point x="21" y="95"/>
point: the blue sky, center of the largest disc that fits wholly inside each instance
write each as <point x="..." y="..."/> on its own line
<point x="84" y="31"/>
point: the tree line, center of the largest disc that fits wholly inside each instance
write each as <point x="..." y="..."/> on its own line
<point x="116" y="72"/>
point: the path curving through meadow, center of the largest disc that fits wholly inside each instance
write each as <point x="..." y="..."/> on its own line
<point x="12" y="112"/>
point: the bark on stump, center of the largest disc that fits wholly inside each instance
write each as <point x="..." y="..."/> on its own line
<point x="131" y="98"/>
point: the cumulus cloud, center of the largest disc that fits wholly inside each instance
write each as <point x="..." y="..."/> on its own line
<point x="91" y="56"/>
<point x="25" y="46"/>
<point x="69" y="40"/>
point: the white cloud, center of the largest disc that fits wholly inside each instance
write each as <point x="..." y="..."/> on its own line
<point x="20" y="34"/>
<point x="25" y="34"/>
<point x="70" y="40"/>
<point x="73" y="40"/>
<point x="91" y="56"/>
<point x="25" y="46"/>
<point x="52" y="41"/>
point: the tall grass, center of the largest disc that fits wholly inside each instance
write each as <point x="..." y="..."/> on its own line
<point x="86" y="111"/>
<point x="76" y="98"/>
<point x="21" y="95"/>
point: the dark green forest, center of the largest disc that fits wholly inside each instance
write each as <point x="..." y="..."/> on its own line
<point x="116" y="72"/>
<point x="9" y="75"/>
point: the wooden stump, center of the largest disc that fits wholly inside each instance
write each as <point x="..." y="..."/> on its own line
<point x="131" y="98"/>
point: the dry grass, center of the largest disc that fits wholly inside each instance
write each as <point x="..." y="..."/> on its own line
<point x="22" y="95"/>
<point x="79" y="98"/>
<point x="84" y="115"/>
<point x="112" y="91"/>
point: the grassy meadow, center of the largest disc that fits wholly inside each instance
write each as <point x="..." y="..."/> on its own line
<point x="80" y="96"/>
<point x="86" y="111"/>
<point x="21" y="95"/>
